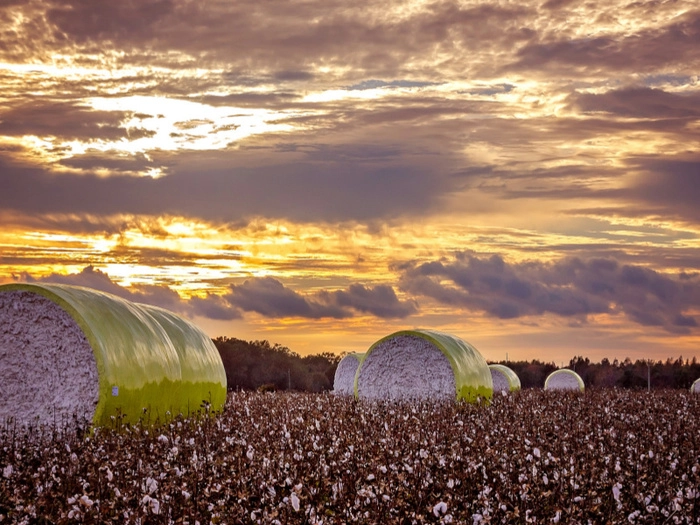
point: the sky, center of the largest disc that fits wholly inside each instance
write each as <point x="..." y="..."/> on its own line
<point x="524" y="175"/>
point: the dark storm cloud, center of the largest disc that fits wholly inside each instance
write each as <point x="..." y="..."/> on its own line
<point x="322" y="191"/>
<point x="568" y="288"/>
<point x="69" y="120"/>
<point x="270" y="298"/>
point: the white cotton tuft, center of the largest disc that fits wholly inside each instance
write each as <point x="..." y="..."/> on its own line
<point x="440" y="508"/>
<point x="295" y="501"/>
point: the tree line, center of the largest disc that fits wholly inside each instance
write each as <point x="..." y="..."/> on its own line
<point x="639" y="374"/>
<point x="260" y="365"/>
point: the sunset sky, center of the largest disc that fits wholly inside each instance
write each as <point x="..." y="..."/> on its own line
<point x="321" y="173"/>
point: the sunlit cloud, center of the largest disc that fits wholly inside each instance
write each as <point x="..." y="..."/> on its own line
<point x="287" y="171"/>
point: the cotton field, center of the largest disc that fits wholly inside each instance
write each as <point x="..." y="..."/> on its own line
<point x="604" y="456"/>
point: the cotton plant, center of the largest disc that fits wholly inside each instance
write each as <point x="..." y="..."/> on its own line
<point x="302" y="458"/>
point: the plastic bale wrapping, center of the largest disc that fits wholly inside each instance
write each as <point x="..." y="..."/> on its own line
<point x="695" y="387"/>
<point x="564" y="379"/>
<point x="504" y="379"/>
<point x="423" y="364"/>
<point x="95" y="356"/>
<point x="344" y="379"/>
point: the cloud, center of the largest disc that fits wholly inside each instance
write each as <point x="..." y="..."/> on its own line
<point x="270" y="298"/>
<point x="86" y="21"/>
<point x="70" y="120"/>
<point x="380" y="301"/>
<point x="264" y="295"/>
<point x="668" y="184"/>
<point x="644" y="50"/>
<point x="641" y="102"/>
<point x="568" y="288"/>
<point x="335" y="190"/>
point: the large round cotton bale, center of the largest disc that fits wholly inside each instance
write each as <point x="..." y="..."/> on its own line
<point x="423" y="364"/>
<point x="504" y="379"/>
<point x="344" y="380"/>
<point x="71" y="352"/>
<point x="564" y="379"/>
<point x="695" y="387"/>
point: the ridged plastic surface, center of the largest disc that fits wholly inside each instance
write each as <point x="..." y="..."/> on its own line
<point x="513" y="379"/>
<point x="151" y="363"/>
<point x="471" y="372"/>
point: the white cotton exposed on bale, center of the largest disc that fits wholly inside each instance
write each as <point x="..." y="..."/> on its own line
<point x="406" y="367"/>
<point x="564" y="379"/>
<point x="48" y="372"/>
<point x="504" y="379"/>
<point x="344" y="380"/>
<point x="695" y="387"/>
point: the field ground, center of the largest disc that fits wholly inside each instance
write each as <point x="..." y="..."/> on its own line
<point x="606" y="456"/>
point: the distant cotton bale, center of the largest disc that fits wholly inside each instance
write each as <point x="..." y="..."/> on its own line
<point x="564" y="379"/>
<point x="423" y="364"/>
<point x="695" y="387"/>
<point x="344" y="380"/>
<point x="504" y="379"/>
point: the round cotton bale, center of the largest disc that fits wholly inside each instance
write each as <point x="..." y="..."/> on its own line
<point x="423" y="364"/>
<point x="344" y="380"/>
<point x="504" y="379"/>
<point x="564" y="379"/>
<point x="71" y="352"/>
<point x="695" y="387"/>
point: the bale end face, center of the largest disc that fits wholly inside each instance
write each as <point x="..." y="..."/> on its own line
<point x="406" y="367"/>
<point x="48" y="372"/>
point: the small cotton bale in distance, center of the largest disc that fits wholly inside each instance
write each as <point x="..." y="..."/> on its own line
<point x="504" y="379"/>
<point x="564" y="379"/>
<point x="423" y="364"/>
<point x="695" y="387"/>
<point x="95" y="356"/>
<point x="344" y="380"/>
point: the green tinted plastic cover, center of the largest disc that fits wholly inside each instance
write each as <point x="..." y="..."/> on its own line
<point x="149" y="361"/>
<point x="510" y="375"/>
<point x="471" y="372"/>
<point x="573" y="376"/>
